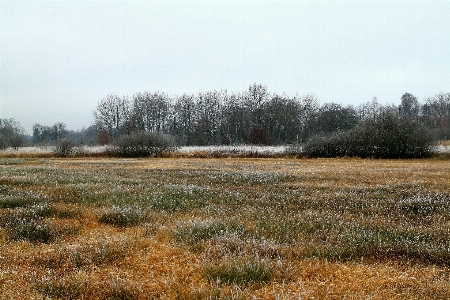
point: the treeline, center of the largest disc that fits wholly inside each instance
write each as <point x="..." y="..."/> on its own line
<point x="13" y="135"/>
<point x="254" y="116"/>
<point x="50" y="135"/>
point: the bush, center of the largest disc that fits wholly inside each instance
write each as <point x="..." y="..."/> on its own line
<point x="143" y="144"/>
<point x="64" y="147"/>
<point x="386" y="136"/>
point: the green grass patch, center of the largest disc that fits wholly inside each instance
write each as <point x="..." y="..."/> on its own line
<point x="193" y="233"/>
<point x="122" y="216"/>
<point x="32" y="224"/>
<point x="241" y="272"/>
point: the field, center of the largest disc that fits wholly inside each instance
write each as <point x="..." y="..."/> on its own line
<point x="190" y="228"/>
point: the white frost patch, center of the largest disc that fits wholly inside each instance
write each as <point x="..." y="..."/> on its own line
<point x="31" y="150"/>
<point x="95" y="149"/>
<point x="236" y="149"/>
<point x="442" y="149"/>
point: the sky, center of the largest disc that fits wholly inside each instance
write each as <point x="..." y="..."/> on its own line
<point x="58" y="59"/>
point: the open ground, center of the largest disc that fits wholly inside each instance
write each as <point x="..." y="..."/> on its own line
<point x="189" y="228"/>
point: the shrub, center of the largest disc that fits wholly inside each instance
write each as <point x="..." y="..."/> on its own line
<point x="385" y="136"/>
<point x="143" y="144"/>
<point x="64" y="147"/>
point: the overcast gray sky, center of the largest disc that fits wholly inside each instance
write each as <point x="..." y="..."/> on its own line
<point x="60" y="58"/>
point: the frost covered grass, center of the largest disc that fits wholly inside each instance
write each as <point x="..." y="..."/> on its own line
<point x="239" y="272"/>
<point x="186" y="151"/>
<point x="223" y="151"/>
<point x="51" y="151"/>
<point x="101" y="228"/>
<point x="443" y="147"/>
<point x="33" y="224"/>
<point x="122" y="216"/>
<point x="231" y="151"/>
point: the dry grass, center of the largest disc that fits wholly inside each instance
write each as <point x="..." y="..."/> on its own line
<point x="210" y="228"/>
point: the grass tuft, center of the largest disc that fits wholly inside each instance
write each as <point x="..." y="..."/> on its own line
<point x="196" y="232"/>
<point x="69" y="287"/>
<point x="86" y="253"/>
<point x="122" y="289"/>
<point x="12" y="198"/>
<point x="32" y="224"/>
<point x="121" y="216"/>
<point x="242" y="272"/>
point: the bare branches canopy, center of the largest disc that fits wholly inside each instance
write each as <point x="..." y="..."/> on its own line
<point x="222" y="117"/>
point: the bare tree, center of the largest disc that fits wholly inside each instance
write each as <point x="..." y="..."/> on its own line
<point x="309" y="107"/>
<point x="150" y="111"/>
<point x="207" y="130"/>
<point x="183" y="118"/>
<point x="410" y="106"/>
<point x="436" y="115"/>
<point x="369" y="110"/>
<point x="113" y="114"/>
<point x="281" y="119"/>
<point x="236" y="119"/>
<point x="58" y="131"/>
<point x="256" y="96"/>
<point x="43" y="134"/>
<point x="11" y="134"/>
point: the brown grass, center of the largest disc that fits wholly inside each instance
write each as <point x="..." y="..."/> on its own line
<point x="231" y="229"/>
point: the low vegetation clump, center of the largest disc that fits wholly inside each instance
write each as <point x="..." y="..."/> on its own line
<point x="11" y="197"/>
<point x="253" y="228"/>
<point x="69" y="287"/>
<point x="33" y="224"/>
<point x="64" y="147"/>
<point x="385" y="136"/>
<point x="86" y="253"/>
<point x="241" y="272"/>
<point x="142" y="144"/>
<point x="77" y="286"/>
<point x="122" y="289"/>
<point x="122" y="216"/>
<point x="197" y="232"/>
